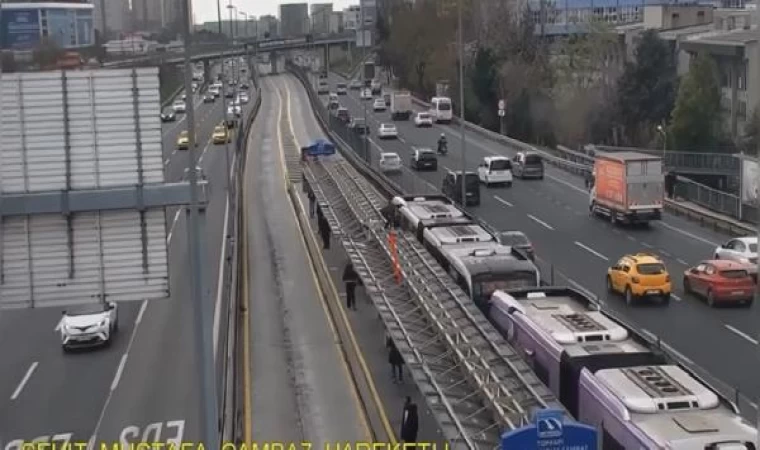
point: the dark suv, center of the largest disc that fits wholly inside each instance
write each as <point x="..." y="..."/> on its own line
<point x="424" y="159"/>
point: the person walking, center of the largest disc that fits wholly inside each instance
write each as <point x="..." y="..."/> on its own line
<point x="409" y="422"/>
<point x="396" y="361"/>
<point x="324" y="232"/>
<point x="312" y="203"/>
<point x="351" y="279"/>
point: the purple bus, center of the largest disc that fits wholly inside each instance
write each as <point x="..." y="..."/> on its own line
<point x="609" y="376"/>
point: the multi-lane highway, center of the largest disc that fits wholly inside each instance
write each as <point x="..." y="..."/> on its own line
<point x="554" y="214"/>
<point x="144" y="387"/>
<point x="300" y="388"/>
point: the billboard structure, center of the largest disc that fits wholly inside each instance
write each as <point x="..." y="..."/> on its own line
<point x="20" y="28"/>
<point x="82" y="192"/>
<point x="750" y="181"/>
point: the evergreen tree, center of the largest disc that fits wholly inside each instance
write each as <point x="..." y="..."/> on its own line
<point x="696" y="119"/>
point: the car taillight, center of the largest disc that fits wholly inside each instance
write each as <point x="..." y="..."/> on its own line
<point x="667" y="278"/>
<point x="635" y="280"/>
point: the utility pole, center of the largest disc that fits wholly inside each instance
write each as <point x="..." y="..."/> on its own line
<point x="461" y="103"/>
<point x="364" y="82"/>
<point x="219" y="17"/>
<point x="204" y="357"/>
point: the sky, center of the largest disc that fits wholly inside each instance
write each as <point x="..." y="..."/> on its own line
<point x="206" y="11"/>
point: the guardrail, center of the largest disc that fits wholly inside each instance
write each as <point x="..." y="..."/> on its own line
<point x="230" y="384"/>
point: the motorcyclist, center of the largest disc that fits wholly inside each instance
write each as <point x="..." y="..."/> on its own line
<point x="442" y="143"/>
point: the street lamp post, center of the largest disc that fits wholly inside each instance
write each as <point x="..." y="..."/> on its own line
<point x="664" y="133"/>
<point x="364" y="82"/>
<point x="461" y="102"/>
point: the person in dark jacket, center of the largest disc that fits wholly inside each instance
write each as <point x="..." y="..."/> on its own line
<point x="409" y="422"/>
<point x="312" y="203"/>
<point x="396" y="361"/>
<point x="351" y="279"/>
<point x="324" y="231"/>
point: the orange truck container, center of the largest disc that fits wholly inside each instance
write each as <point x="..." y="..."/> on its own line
<point x="628" y="187"/>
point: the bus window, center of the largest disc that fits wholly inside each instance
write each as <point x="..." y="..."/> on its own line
<point x="485" y="286"/>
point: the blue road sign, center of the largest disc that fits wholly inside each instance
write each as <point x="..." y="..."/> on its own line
<point x="320" y="147"/>
<point x="550" y="431"/>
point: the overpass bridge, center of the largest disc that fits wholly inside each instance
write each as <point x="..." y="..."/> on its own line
<point x="244" y="47"/>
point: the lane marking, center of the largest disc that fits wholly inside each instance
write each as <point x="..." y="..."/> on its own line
<point x="741" y="334"/>
<point x="682" y="261"/>
<point x="687" y="234"/>
<point x="501" y="200"/>
<point x="220" y="281"/>
<point x="143" y="307"/>
<point x="677" y="298"/>
<point x="629" y="237"/>
<point x="647" y="245"/>
<point x="119" y="371"/>
<point x="24" y="380"/>
<point x="664" y="253"/>
<point x="540" y="222"/>
<point x="174" y="223"/>
<point x="591" y="250"/>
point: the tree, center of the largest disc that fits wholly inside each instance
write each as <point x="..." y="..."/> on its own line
<point x="483" y="79"/>
<point x="647" y="88"/>
<point x="696" y="119"/>
<point x="46" y="54"/>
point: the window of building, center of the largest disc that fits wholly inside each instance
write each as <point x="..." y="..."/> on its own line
<point x="700" y="17"/>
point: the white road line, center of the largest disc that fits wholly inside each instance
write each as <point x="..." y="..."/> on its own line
<point x="591" y="250"/>
<point x="647" y="245"/>
<point x="677" y="298"/>
<point x="174" y="223"/>
<point x="119" y="370"/>
<point x="402" y="139"/>
<point x="24" y="380"/>
<point x="682" y="262"/>
<point x="501" y="200"/>
<point x="741" y="334"/>
<point x="220" y="281"/>
<point x="143" y="307"/>
<point x="664" y="253"/>
<point x="687" y="234"/>
<point x="630" y="238"/>
<point x="541" y="222"/>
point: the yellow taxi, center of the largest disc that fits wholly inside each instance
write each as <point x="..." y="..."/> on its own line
<point x="183" y="140"/>
<point x="640" y="276"/>
<point x="221" y="135"/>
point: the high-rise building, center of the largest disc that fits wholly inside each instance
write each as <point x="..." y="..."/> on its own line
<point x="320" y="17"/>
<point x="172" y="14"/>
<point x="336" y="22"/>
<point x="111" y="16"/>
<point x="147" y="15"/>
<point x="266" y="25"/>
<point x="25" y="25"/>
<point x="294" y="19"/>
<point x="351" y="17"/>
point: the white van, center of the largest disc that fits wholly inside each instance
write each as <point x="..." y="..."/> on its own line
<point x="440" y="109"/>
<point x="495" y="170"/>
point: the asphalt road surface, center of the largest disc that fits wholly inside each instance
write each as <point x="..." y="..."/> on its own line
<point x="300" y="386"/>
<point x="578" y="248"/>
<point x="144" y="387"/>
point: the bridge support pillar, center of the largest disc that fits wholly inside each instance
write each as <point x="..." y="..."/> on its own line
<point x="273" y="62"/>
<point x="207" y="71"/>
<point x="326" y="59"/>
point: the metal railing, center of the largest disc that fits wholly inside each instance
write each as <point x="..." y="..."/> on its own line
<point x="687" y="162"/>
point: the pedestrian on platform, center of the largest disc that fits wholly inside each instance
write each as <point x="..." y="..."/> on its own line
<point x="351" y="279"/>
<point x="312" y="202"/>
<point x="324" y="232"/>
<point x="396" y="361"/>
<point x="409" y="422"/>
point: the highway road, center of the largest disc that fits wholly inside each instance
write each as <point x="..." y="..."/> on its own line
<point x="144" y="387"/>
<point x="554" y="214"/>
<point x="300" y="388"/>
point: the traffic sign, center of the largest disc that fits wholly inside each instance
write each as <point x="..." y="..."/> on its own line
<point x="550" y="431"/>
<point x="502" y="105"/>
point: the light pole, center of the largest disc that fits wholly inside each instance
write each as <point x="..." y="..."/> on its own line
<point x="461" y="102"/>
<point x="235" y="65"/>
<point x="195" y="223"/>
<point x="364" y="82"/>
<point x="664" y="133"/>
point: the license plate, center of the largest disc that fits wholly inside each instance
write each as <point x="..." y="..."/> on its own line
<point x="653" y="292"/>
<point x="737" y="293"/>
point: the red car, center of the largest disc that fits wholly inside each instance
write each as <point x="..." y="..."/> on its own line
<point x="720" y="281"/>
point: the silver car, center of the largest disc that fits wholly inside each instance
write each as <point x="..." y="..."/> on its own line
<point x="89" y="325"/>
<point x="742" y="249"/>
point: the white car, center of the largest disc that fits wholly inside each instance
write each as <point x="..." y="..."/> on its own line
<point x="243" y="97"/>
<point x="379" y="105"/>
<point x="234" y="110"/>
<point x="387" y="130"/>
<point x="366" y="94"/>
<point x="390" y="162"/>
<point x="178" y="106"/>
<point x="743" y="249"/>
<point x="423" y="119"/>
<point x="495" y="170"/>
<point x="89" y="325"/>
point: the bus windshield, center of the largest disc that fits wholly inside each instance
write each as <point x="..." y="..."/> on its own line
<point x="485" y="285"/>
<point x="444" y="105"/>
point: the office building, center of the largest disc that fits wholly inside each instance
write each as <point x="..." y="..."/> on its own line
<point x="294" y="19"/>
<point x="147" y="15"/>
<point x="172" y="14"/>
<point x="111" y="16"/>
<point x="336" y="22"/>
<point x="25" y="25"/>
<point x="351" y="17"/>
<point x="320" y="17"/>
<point x="267" y="26"/>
